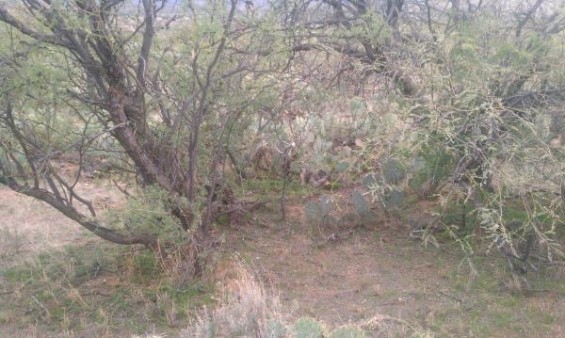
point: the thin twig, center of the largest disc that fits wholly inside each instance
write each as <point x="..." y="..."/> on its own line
<point x="39" y="303"/>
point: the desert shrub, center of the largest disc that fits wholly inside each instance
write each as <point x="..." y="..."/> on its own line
<point x="307" y="327"/>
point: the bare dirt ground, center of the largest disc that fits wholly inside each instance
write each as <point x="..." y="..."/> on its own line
<point x="29" y="227"/>
<point x="377" y="272"/>
<point x="363" y="273"/>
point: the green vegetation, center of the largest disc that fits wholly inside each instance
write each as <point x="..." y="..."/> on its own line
<point x="181" y="126"/>
<point x="101" y="288"/>
<point x="307" y="327"/>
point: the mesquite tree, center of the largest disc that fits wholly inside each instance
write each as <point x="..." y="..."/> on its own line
<point x="159" y="89"/>
<point x="479" y="86"/>
<point x="149" y="87"/>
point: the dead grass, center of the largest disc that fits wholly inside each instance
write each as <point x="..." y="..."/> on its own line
<point x="378" y="274"/>
<point x="375" y="277"/>
<point x="246" y="308"/>
<point x="95" y="291"/>
<point x="28" y="227"/>
<point x="57" y="279"/>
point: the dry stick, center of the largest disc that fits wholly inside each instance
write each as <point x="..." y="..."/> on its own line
<point x="238" y="169"/>
<point x="283" y="197"/>
<point x="374" y="322"/>
<point x="39" y="303"/>
<point x="539" y="290"/>
<point x="122" y="190"/>
<point x="286" y="174"/>
<point x="459" y="300"/>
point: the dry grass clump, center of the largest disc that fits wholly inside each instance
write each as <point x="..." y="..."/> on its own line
<point x="246" y="309"/>
<point x="386" y="326"/>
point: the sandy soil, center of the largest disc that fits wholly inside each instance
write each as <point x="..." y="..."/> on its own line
<point x="28" y="227"/>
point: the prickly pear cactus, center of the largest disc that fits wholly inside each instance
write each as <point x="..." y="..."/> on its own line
<point x="319" y="212"/>
<point x="307" y="327"/>
<point x="325" y="205"/>
<point x="348" y="332"/>
<point x="276" y="329"/>
<point x="361" y="204"/>
<point x="313" y="212"/>
<point x="370" y="180"/>
<point x="393" y="171"/>
<point x="394" y="199"/>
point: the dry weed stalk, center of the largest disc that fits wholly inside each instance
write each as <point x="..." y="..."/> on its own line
<point x="246" y="309"/>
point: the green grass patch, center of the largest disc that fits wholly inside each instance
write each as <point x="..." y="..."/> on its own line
<point x="106" y="287"/>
